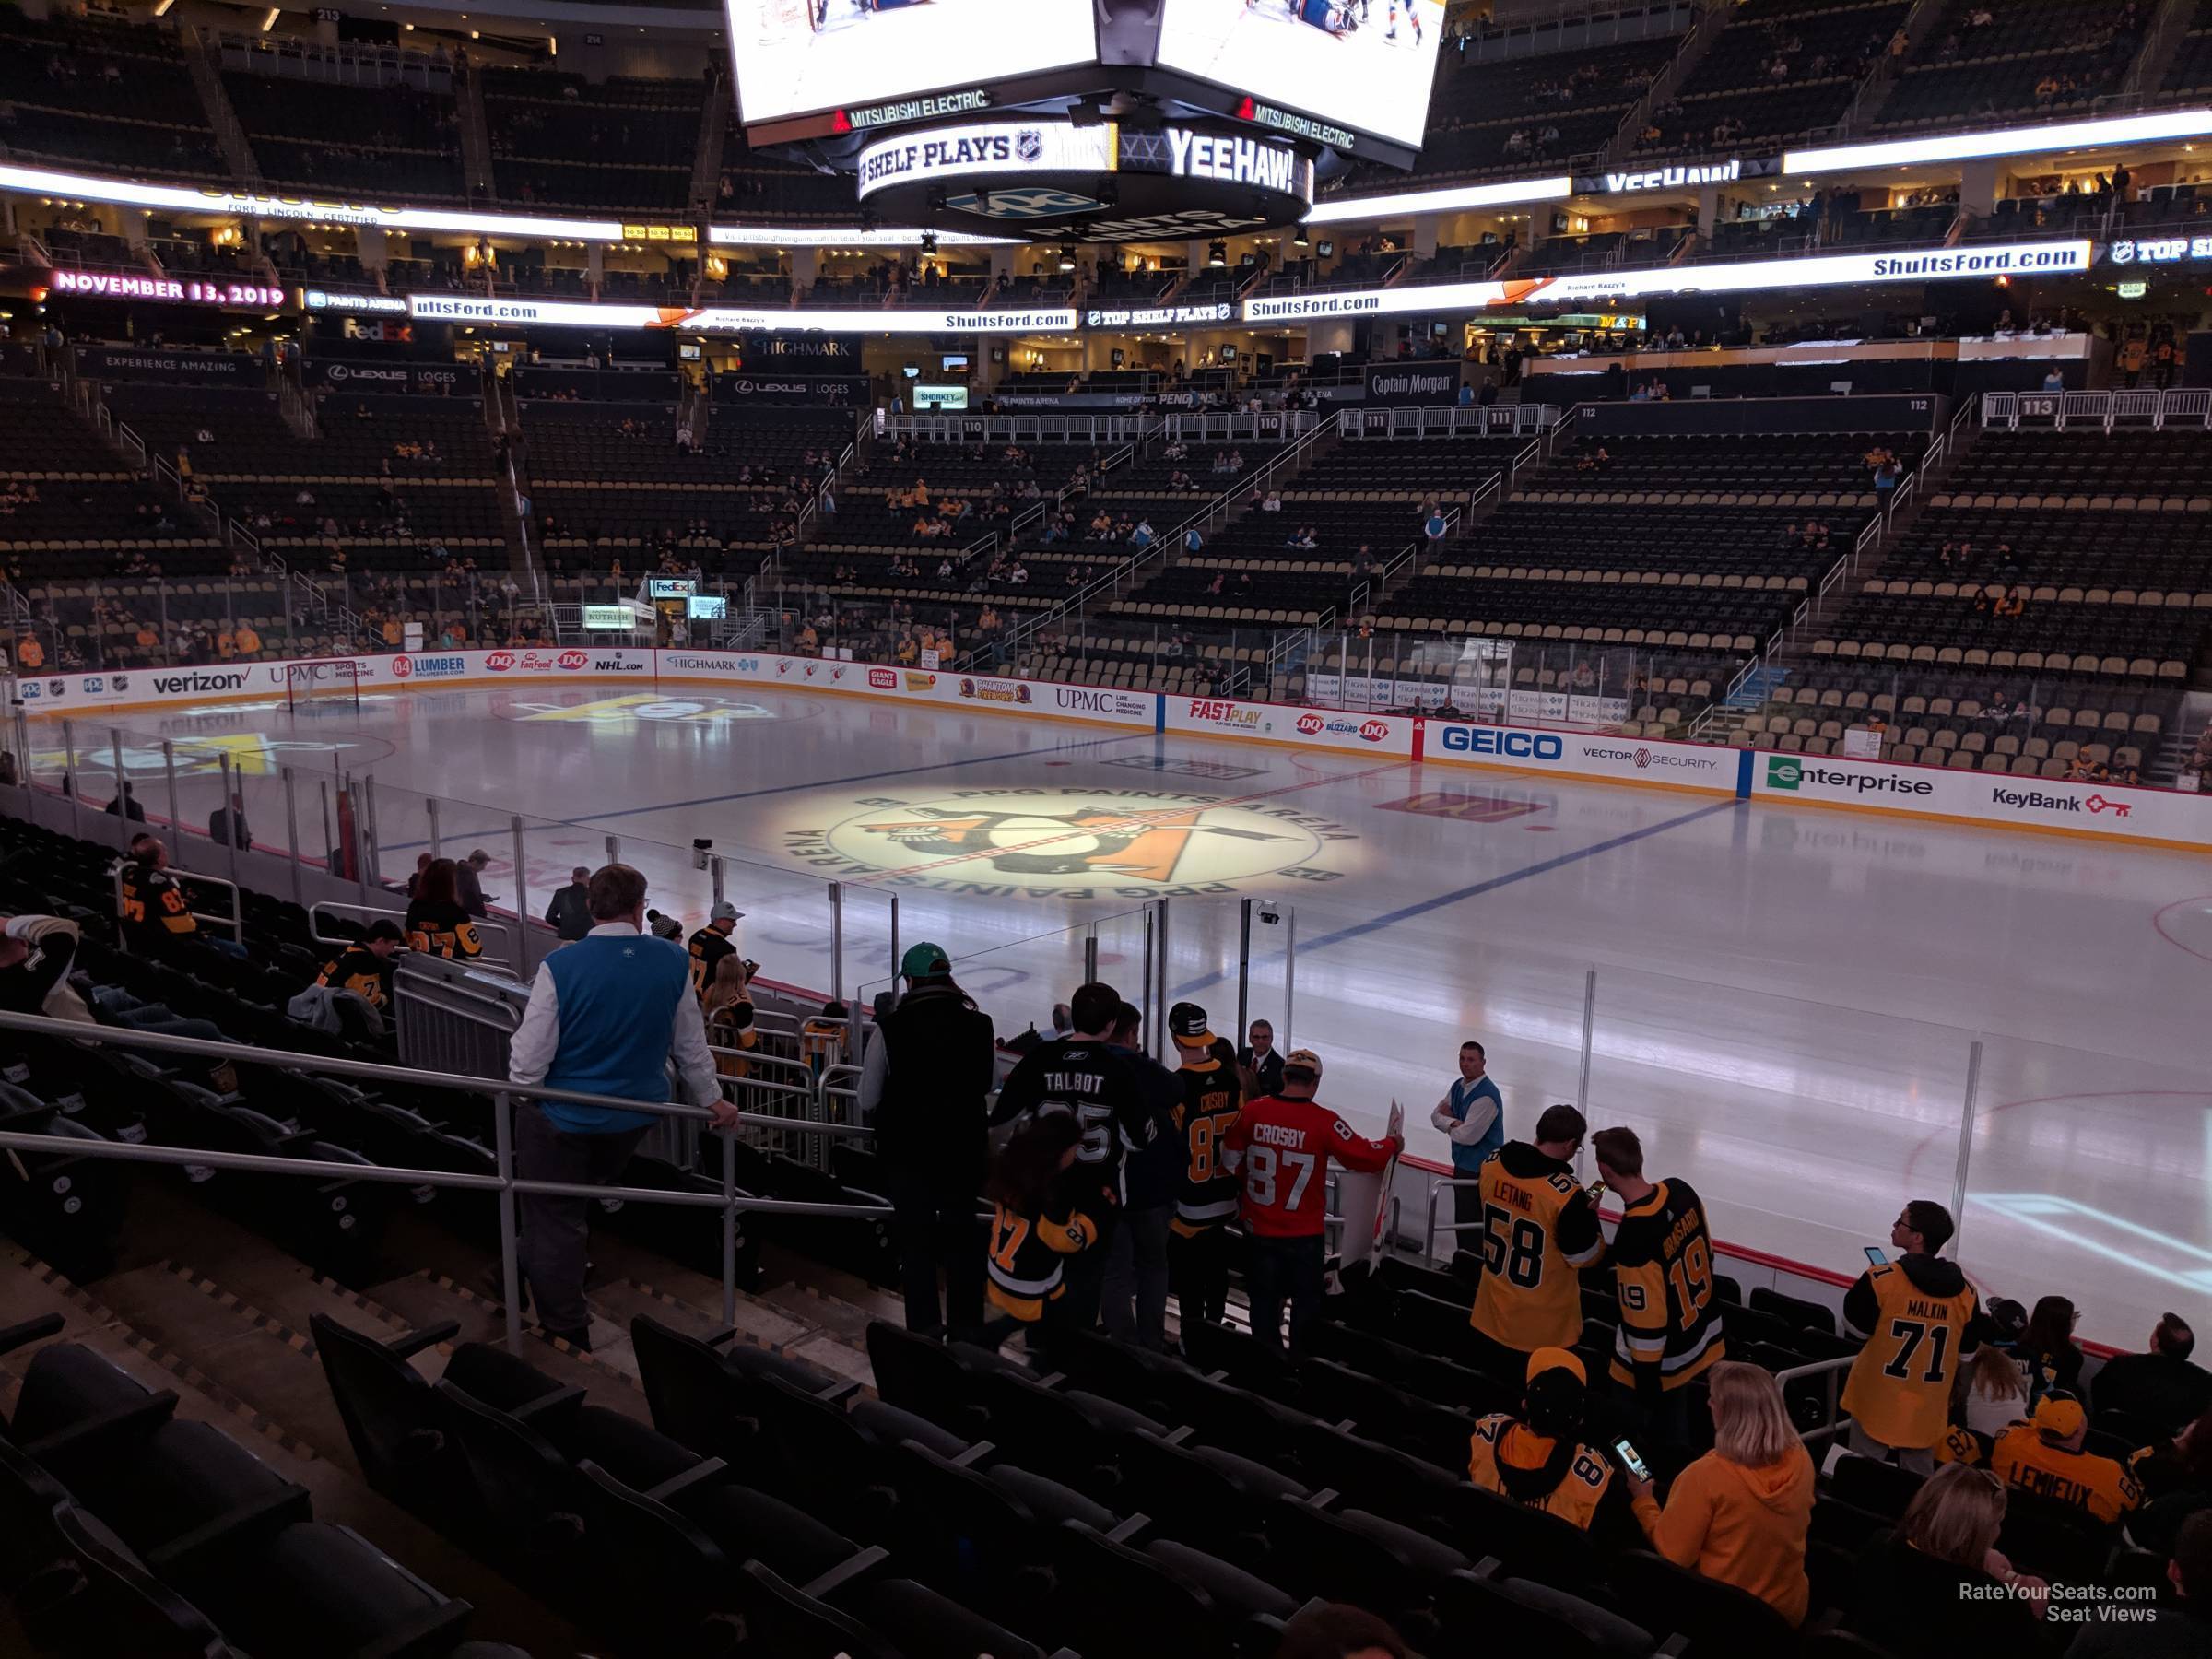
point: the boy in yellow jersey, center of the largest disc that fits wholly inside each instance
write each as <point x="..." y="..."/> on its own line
<point x="1662" y="1277"/>
<point x="1043" y="1210"/>
<point x="365" y="969"/>
<point x="1538" y="1459"/>
<point x="2044" y="1455"/>
<point x="1539" y="1229"/>
<point x="1920" y="1319"/>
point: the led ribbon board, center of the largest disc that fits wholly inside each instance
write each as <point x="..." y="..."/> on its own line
<point x="1841" y="270"/>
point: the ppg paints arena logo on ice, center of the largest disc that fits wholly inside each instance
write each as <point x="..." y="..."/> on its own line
<point x="1075" y="842"/>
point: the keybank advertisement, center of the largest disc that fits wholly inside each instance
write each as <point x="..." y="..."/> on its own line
<point x="1984" y="797"/>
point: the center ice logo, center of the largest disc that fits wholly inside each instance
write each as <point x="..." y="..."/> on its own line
<point x="1073" y="842"/>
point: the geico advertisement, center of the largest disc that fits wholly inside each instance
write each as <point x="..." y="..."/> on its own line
<point x="1908" y="264"/>
<point x="1985" y="797"/>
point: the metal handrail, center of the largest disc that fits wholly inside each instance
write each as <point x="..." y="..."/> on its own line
<point x="506" y="1183"/>
<point x="1430" y="1232"/>
<point x="1820" y="1368"/>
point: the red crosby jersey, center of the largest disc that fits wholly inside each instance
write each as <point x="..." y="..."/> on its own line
<point x="1282" y="1149"/>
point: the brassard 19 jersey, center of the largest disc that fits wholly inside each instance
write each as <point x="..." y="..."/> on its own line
<point x="1662" y="1277"/>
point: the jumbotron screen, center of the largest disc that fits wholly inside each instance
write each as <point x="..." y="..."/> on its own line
<point x="1366" y="64"/>
<point x="806" y="57"/>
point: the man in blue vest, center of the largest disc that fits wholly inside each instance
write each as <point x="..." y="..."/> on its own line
<point x="605" y="1014"/>
<point x="1471" y="1115"/>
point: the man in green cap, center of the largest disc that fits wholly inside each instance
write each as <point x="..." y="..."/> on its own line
<point x="924" y="1087"/>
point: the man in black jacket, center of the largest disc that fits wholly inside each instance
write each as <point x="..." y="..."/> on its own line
<point x="924" y="1086"/>
<point x="2160" y="1386"/>
<point x="1133" y="1302"/>
<point x="568" y="914"/>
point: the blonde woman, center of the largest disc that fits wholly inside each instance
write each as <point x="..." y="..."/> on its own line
<point x="1996" y="1390"/>
<point x="1938" y="1587"/>
<point x="1739" y="1514"/>
<point x="728" y="1008"/>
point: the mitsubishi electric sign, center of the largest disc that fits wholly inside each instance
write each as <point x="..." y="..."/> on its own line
<point x="1779" y="275"/>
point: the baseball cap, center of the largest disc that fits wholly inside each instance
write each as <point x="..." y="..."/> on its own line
<point x="724" y="910"/>
<point x="2060" y="1415"/>
<point x="1305" y="1057"/>
<point x="1555" y="1359"/>
<point x="1186" y="1023"/>
<point x="924" y="960"/>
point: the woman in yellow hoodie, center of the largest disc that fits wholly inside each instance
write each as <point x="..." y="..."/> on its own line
<point x="1739" y="1513"/>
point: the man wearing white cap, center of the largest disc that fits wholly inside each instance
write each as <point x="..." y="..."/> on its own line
<point x="1280" y="1147"/>
<point x="711" y="943"/>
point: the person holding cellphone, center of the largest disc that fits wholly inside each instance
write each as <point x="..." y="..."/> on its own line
<point x="1919" y="1320"/>
<point x="1540" y="1459"/>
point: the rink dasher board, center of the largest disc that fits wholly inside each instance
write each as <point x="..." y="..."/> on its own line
<point x="2102" y="812"/>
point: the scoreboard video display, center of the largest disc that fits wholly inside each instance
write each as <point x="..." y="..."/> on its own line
<point x="794" y="58"/>
<point x="1365" y="64"/>
<point x="1350" y="74"/>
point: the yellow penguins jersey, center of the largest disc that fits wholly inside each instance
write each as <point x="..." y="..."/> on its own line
<point x="441" y="929"/>
<point x="2024" y="1457"/>
<point x="1670" y="1319"/>
<point x="1213" y="1097"/>
<point x="1959" y="1446"/>
<point x="822" y="1041"/>
<point x="154" y="902"/>
<point x="1539" y="1229"/>
<point x="1918" y="1317"/>
<point x="363" y="972"/>
<point x="707" y="949"/>
<point x="1026" y="1252"/>
<point x="1507" y="1457"/>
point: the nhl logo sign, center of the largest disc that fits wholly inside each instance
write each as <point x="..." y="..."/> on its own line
<point x="1028" y="147"/>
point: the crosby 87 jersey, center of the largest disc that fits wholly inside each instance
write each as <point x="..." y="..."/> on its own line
<point x="1281" y="1150"/>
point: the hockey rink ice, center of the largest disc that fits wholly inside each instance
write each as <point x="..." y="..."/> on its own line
<point x="1785" y="1001"/>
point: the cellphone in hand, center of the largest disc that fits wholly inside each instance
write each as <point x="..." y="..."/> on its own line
<point x="1875" y="1258"/>
<point x="1634" y="1464"/>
